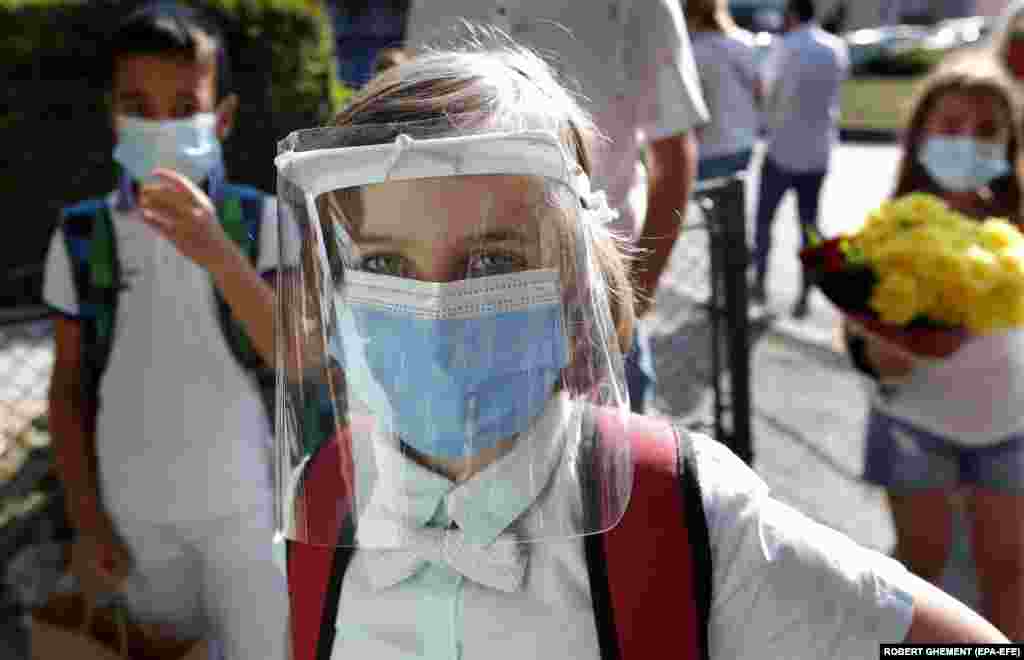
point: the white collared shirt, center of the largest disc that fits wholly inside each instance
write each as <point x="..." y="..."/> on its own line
<point x="728" y="71"/>
<point x="803" y="78"/>
<point x="784" y="586"/>
<point x="631" y="61"/>
<point x="182" y="433"/>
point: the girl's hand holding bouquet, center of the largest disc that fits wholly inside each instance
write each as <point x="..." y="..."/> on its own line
<point x="919" y="277"/>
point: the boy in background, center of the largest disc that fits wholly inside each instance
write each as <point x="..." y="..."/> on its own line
<point x="163" y="443"/>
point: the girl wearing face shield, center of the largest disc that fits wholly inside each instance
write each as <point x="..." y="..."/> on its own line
<point x="473" y="309"/>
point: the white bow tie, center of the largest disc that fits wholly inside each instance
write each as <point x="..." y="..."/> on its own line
<point x="500" y="565"/>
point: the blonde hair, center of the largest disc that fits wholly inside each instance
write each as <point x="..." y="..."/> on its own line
<point x="503" y="88"/>
<point x="709" y="16"/>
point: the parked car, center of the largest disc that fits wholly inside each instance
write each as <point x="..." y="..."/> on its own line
<point x="961" y="32"/>
<point x="912" y="49"/>
<point x="759" y="16"/>
<point x="763" y="19"/>
<point x="873" y="47"/>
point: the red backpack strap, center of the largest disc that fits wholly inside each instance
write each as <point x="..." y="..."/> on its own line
<point x="316" y="569"/>
<point x="650" y="576"/>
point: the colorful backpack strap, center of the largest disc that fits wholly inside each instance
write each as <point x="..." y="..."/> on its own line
<point x="88" y="230"/>
<point x="316" y="569"/>
<point x="651" y="573"/>
<point x="241" y="216"/>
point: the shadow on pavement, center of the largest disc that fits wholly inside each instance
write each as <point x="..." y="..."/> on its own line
<point x="682" y="348"/>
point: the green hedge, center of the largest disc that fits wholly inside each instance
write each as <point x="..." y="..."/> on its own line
<point x="57" y="140"/>
<point x="912" y="62"/>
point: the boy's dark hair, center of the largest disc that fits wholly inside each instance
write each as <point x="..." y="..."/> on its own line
<point x="167" y="28"/>
<point x="803" y="10"/>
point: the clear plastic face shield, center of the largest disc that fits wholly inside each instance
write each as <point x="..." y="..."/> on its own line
<point x="446" y="350"/>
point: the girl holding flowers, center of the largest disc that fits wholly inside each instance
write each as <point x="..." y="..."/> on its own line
<point x="942" y="428"/>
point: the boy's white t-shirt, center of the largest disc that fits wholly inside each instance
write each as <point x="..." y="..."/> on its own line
<point x="973" y="397"/>
<point x="783" y="586"/>
<point x="182" y="432"/>
<point x="728" y="76"/>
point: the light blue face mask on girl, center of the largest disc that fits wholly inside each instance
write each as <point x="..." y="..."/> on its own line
<point x="188" y="146"/>
<point x="454" y="367"/>
<point x="962" y="163"/>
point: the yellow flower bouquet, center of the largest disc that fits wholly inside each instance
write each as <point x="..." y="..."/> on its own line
<point x="919" y="268"/>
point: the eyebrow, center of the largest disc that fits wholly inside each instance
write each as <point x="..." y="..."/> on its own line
<point x="496" y="236"/>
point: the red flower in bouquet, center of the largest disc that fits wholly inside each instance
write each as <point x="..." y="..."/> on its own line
<point x="825" y="256"/>
<point x="922" y="275"/>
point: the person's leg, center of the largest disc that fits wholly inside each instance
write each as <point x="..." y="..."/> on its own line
<point x="996" y="509"/>
<point x="919" y="474"/>
<point x="997" y="538"/>
<point x="639" y="367"/>
<point x="244" y="590"/>
<point x="923" y="521"/>
<point x="773" y="185"/>
<point x="808" y="196"/>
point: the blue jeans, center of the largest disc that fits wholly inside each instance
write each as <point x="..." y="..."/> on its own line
<point x="775" y="182"/>
<point x="639" y="367"/>
<point x="725" y="165"/>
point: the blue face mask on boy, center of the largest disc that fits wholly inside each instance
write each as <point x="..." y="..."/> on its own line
<point x="189" y="146"/>
<point x="453" y="383"/>
<point x="963" y="164"/>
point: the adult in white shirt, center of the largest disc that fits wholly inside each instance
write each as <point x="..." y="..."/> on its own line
<point x="726" y="62"/>
<point x="802" y="77"/>
<point x="632" y="64"/>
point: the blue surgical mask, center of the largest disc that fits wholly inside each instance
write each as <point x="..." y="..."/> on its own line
<point x="963" y="164"/>
<point x="189" y="146"/>
<point x="451" y="373"/>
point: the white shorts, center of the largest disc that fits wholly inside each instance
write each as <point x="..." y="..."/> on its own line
<point x="210" y="578"/>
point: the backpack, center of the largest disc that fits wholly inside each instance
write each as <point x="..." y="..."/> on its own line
<point x="648" y="577"/>
<point x="91" y="244"/>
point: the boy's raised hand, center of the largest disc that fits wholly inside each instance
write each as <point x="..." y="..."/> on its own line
<point x="182" y="213"/>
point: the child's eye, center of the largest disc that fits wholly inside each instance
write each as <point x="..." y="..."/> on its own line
<point x="133" y="108"/>
<point x="494" y="263"/>
<point x="386" y="264"/>
<point x="989" y="130"/>
<point x="185" y="109"/>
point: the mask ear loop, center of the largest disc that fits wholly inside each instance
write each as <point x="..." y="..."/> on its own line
<point x="125" y="191"/>
<point x="402" y="144"/>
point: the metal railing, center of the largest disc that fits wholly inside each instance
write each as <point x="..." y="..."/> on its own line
<point x="704" y="350"/>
